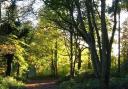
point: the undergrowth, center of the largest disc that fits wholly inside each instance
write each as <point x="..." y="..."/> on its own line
<point x="10" y="83"/>
<point x="82" y="82"/>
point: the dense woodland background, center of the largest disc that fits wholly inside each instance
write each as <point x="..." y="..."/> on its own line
<point x="81" y="43"/>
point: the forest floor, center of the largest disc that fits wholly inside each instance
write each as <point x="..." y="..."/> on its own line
<point x="41" y="84"/>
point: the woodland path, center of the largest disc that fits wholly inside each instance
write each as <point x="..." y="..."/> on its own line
<point x="41" y="84"/>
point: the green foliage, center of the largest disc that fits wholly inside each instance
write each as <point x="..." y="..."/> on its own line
<point x="124" y="4"/>
<point x="10" y="83"/>
<point x="124" y="41"/>
<point x="13" y="45"/>
<point x="19" y="58"/>
<point x="119" y="83"/>
<point x="87" y="84"/>
<point x="42" y="47"/>
<point x="70" y="85"/>
<point x="87" y="81"/>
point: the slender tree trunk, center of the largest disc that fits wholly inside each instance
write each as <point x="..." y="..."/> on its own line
<point x="52" y="64"/>
<point x="79" y="58"/>
<point x="56" y="59"/>
<point x="0" y="12"/>
<point x="75" y="54"/>
<point x="119" y="44"/>
<point x="18" y="69"/>
<point x="92" y="44"/>
<point x="89" y="62"/>
<point x="71" y="55"/>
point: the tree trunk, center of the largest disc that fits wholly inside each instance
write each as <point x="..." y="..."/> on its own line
<point x="79" y="58"/>
<point x="18" y="69"/>
<point x="119" y="43"/>
<point x="89" y="62"/>
<point x="106" y="57"/>
<point x="71" y="55"/>
<point x="52" y="64"/>
<point x="9" y="58"/>
<point x="0" y="12"/>
<point x="55" y="59"/>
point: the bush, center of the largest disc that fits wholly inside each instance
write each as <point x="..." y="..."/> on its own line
<point x="119" y="83"/>
<point x="10" y="83"/>
<point x="92" y="83"/>
<point x="70" y="85"/>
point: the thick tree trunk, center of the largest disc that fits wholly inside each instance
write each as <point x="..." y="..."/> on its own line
<point x="106" y="57"/>
<point x="9" y="58"/>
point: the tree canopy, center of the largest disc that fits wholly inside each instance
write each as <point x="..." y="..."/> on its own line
<point x="73" y="42"/>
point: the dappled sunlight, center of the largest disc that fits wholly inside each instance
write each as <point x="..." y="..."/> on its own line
<point x="63" y="44"/>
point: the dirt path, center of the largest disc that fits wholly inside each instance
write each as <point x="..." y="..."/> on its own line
<point x="44" y="84"/>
